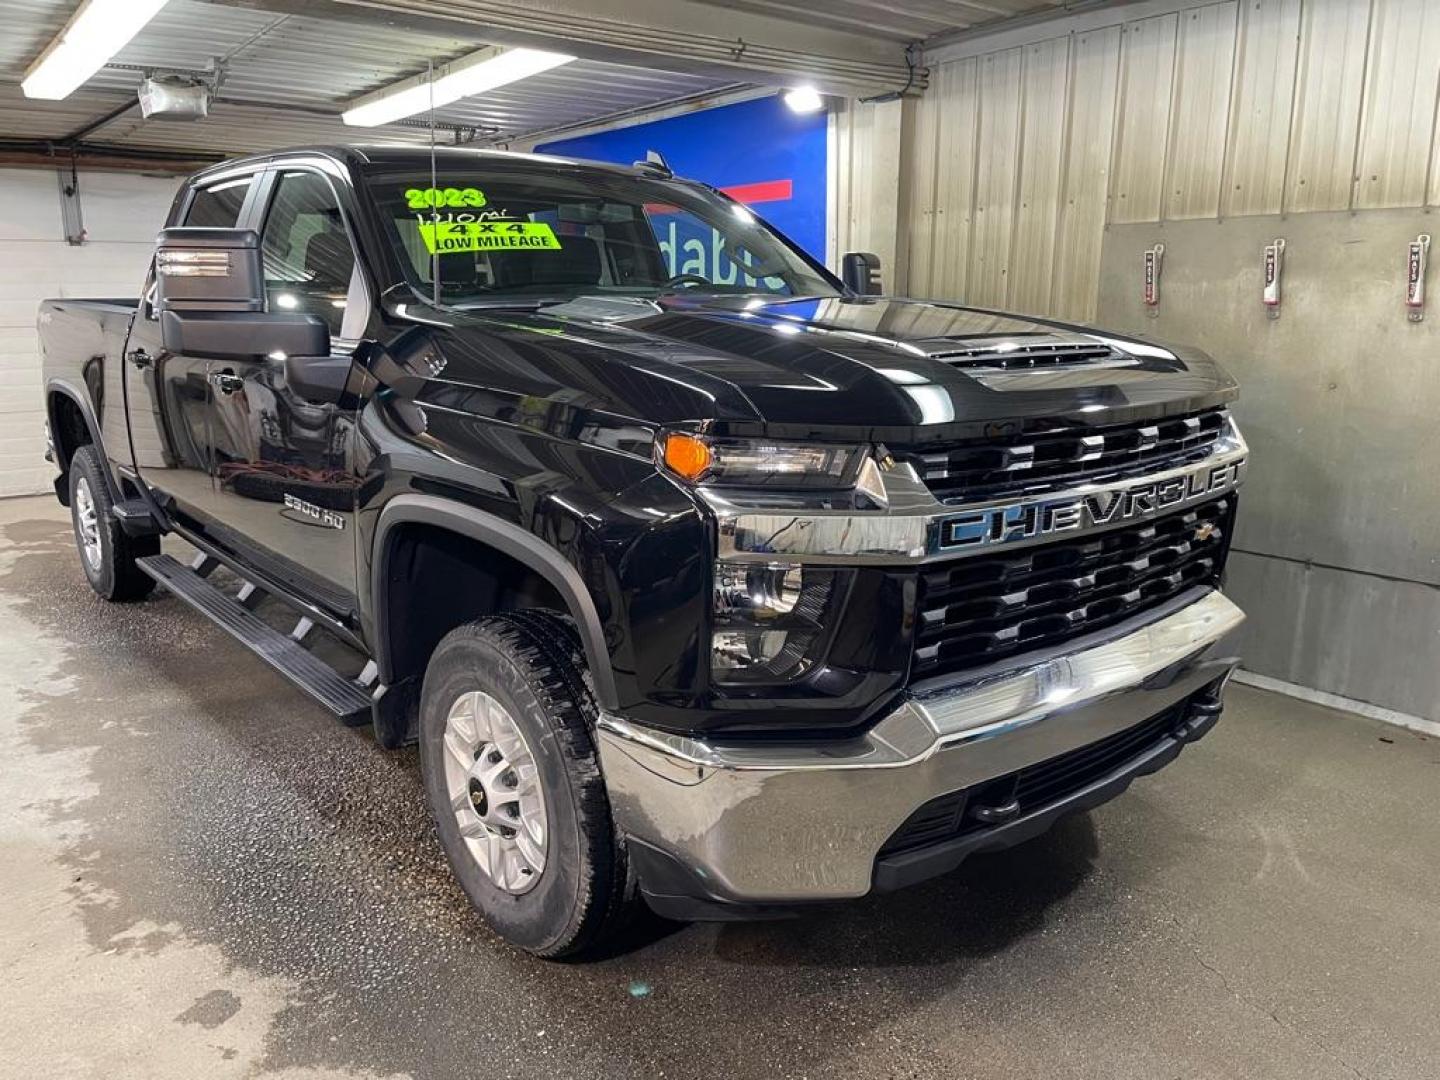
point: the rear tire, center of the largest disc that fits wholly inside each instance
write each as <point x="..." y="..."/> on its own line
<point x="107" y="555"/>
<point x="513" y="781"/>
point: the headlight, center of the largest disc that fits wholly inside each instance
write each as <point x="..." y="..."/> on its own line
<point x="768" y="620"/>
<point x="758" y="463"/>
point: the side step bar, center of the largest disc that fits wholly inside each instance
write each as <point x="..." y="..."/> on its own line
<point x="346" y="698"/>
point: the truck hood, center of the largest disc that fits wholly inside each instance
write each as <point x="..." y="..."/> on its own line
<point x="891" y="369"/>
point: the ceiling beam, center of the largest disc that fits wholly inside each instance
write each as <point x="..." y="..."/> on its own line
<point x="41" y="153"/>
<point x="683" y="36"/>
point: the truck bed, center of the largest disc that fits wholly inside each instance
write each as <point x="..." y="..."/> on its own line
<point x="81" y="346"/>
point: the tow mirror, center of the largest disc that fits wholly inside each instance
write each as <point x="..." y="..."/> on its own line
<point x="210" y="296"/>
<point x="860" y="271"/>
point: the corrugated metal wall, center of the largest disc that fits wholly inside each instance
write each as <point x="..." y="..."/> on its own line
<point x="1040" y="171"/>
<point x="863" y="166"/>
<point x="1021" y="156"/>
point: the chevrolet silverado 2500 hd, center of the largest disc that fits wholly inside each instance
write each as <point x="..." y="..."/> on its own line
<point x="698" y="574"/>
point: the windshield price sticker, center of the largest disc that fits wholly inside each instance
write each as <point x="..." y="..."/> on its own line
<point x="445" y="237"/>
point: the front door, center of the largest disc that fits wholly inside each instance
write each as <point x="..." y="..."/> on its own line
<point x="283" y="466"/>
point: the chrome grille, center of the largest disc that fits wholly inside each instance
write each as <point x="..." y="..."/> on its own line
<point x="974" y="611"/>
<point x="1049" y="460"/>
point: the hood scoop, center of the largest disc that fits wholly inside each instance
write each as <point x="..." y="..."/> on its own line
<point x="1028" y="352"/>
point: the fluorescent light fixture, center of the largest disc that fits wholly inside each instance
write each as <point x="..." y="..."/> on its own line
<point x="95" y="33"/>
<point x="804" y="99"/>
<point x="466" y="77"/>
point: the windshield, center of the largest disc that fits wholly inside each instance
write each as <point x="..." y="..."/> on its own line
<point x="504" y="234"/>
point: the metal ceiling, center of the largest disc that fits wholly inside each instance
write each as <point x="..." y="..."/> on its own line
<point x="898" y="20"/>
<point x="284" y="76"/>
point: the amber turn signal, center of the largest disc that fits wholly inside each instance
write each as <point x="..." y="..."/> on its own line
<point x="686" y="455"/>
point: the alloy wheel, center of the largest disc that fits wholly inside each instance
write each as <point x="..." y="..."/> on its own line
<point x="87" y="522"/>
<point x="494" y="788"/>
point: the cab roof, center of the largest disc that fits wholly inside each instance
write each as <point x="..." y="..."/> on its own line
<point x="419" y="157"/>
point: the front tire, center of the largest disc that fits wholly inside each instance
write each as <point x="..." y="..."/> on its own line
<point x="107" y="555"/>
<point x="513" y="781"/>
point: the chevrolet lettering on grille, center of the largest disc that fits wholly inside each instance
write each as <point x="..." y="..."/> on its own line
<point x="1020" y="521"/>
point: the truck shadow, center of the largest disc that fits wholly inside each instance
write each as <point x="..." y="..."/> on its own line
<point x="981" y="909"/>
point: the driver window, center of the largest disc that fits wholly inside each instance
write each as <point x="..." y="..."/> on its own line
<point x="306" y="252"/>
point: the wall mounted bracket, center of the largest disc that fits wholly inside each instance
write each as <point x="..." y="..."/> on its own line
<point x="1415" y="278"/>
<point x="1154" y="257"/>
<point x="72" y="218"/>
<point x="1274" y="262"/>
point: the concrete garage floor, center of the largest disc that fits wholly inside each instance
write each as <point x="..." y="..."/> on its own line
<point x="205" y="876"/>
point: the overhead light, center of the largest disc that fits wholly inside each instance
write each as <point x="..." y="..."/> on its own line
<point x="804" y="99"/>
<point x="466" y="77"/>
<point x="95" y="33"/>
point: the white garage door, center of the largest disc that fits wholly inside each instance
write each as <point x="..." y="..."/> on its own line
<point x="122" y="215"/>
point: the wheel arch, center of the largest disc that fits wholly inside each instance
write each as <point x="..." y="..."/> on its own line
<point x="509" y="540"/>
<point x="63" y="401"/>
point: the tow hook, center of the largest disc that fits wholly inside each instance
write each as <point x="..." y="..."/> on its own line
<point x="1200" y="717"/>
<point x="996" y="814"/>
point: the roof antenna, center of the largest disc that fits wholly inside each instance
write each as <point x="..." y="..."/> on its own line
<point x="434" y="210"/>
<point x="655" y="163"/>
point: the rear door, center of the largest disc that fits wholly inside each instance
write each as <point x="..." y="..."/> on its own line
<point x="283" y="467"/>
<point x="167" y="395"/>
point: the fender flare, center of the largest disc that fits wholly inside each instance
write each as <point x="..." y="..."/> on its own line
<point x="510" y="540"/>
<point x="56" y="385"/>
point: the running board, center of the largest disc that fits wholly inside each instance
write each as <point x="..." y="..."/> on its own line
<point x="134" y="517"/>
<point x="346" y="698"/>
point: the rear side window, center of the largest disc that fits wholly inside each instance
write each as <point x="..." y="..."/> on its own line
<point x="218" y="206"/>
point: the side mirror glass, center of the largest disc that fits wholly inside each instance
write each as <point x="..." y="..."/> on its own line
<point x="860" y="270"/>
<point x="210" y="297"/>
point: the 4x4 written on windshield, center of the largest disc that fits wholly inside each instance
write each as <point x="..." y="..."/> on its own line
<point x="472" y="230"/>
<point x="444" y="237"/>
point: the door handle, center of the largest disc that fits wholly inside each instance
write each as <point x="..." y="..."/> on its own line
<point x="227" y="382"/>
<point x="140" y="358"/>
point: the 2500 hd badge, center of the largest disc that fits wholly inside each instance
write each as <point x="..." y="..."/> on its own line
<point x="328" y="518"/>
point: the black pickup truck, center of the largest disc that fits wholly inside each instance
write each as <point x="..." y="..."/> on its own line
<point x="698" y="574"/>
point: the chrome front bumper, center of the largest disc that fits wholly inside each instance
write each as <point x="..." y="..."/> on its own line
<point x="759" y="824"/>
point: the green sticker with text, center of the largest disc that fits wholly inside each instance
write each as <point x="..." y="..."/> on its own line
<point x="446" y="237"/>
<point x="438" y="198"/>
